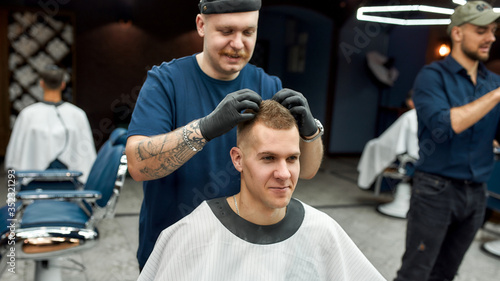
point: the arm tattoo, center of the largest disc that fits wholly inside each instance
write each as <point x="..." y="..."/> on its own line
<point x="147" y="149"/>
<point x="170" y="152"/>
<point x="191" y="129"/>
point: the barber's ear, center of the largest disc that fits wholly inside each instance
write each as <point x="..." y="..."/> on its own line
<point x="236" y="157"/>
<point x="200" y="25"/>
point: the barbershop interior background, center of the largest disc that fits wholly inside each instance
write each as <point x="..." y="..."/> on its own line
<point x="316" y="47"/>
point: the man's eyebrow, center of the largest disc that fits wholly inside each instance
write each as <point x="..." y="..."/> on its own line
<point x="270" y="153"/>
<point x="233" y="27"/>
<point x="483" y="27"/>
<point x="266" y="153"/>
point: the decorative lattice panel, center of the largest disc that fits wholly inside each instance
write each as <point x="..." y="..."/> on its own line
<point x="36" y="40"/>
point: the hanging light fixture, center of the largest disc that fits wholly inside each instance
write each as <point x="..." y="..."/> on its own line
<point x="383" y="18"/>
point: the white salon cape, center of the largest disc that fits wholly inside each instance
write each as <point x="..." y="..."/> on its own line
<point x="401" y="137"/>
<point x="44" y="132"/>
<point x="214" y="243"/>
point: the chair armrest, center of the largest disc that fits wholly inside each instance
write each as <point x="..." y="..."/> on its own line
<point x="48" y="175"/>
<point x="88" y="195"/>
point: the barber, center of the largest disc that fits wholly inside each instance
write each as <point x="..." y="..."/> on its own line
<point x="187" y="108"/>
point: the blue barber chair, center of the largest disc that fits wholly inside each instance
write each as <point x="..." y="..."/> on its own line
<point x="55" y="177"/>
<point x="493" y="247"/>
<point x="43" y="225"/>
<point x="52" y="179"/>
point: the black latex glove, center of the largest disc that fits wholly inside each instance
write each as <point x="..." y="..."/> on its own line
<point x="298" y="106"/>
<point x="229" y="113"/>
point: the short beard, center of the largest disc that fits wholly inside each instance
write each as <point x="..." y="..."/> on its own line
<point x="474" y="56"/>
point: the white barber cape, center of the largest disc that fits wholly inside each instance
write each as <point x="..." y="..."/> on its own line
<point x="214" y="243"/>
<point x="401" y="137"/>
<point x="47" y="131"/>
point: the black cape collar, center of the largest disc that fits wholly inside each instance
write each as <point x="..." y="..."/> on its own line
<point x="259" y="234"/>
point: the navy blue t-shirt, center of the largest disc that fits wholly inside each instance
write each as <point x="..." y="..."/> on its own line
<point x="469" y="155"/>
<point x="174" y="94"/>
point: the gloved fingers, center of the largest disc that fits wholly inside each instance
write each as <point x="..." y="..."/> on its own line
<point x="246" y="116"/>
<point x="284" y="94"/>
<point x="298" y="111"/>
<point x="247" y="104"/>
<point x="281" y="95"/>
<point x="246" y="99"/>
<point x="247" y="94"/>
<point x="294" y="101"/>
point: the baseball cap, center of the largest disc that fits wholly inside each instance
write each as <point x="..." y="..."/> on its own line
<point x="474" y="12"/>
<point x="228" y="6"/>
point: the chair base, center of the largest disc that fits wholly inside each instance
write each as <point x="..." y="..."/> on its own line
<point x="399" y="207"/>
<point x="492" y="247"/>
<point x="47" y="270"/>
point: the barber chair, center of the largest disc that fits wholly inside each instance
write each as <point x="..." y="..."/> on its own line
<point x="45" y="225"/>
<point x="400" y="171"/>
<point x="52" y="179"/>
<point x="493" y="247"/>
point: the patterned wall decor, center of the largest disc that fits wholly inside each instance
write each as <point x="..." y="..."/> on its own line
<point x="36" y="40"/>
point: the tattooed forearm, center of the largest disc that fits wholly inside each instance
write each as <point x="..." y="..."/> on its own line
<point x="149" y="148"/>
<point x="193" y="133"/>
<point x="167" y="153"/>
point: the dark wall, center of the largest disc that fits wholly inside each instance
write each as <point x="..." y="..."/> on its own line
<point x="299" y="51"/>
<point x="358" y="107"/>
<point x="355" y="95"/>
<point x="408" y="60"/>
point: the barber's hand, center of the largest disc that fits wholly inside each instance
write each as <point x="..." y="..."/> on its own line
<point x="298" y="106"/>
<point x="229" y="113"/>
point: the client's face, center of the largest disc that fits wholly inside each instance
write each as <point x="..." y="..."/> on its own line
<point x="270" y="166"/>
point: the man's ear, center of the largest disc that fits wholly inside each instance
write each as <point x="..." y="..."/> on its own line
<point x="63" y="85"/>
<point x="236" y="157"/>
<point x="456" y="34"/>
<point x="200" y="25"/>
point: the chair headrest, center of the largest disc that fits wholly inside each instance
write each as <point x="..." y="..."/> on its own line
<point x="118" y="136"/>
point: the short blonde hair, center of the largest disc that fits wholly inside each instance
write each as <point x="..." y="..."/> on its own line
<point x="272" y="115"/>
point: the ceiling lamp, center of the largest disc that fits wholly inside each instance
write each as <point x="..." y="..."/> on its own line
<point x="383" y="18"/>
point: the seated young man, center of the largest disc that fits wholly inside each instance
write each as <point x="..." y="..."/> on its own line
<point x="52" y="133"/>
<point x="261" y="233"/>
